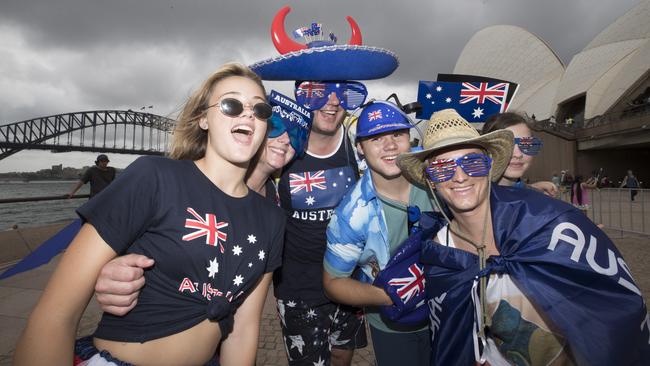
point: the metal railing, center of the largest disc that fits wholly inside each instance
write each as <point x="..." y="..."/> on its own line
<point x="623" y="209"/>
<point x="569" y="130"/>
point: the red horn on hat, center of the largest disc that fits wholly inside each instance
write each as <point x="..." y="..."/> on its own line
<point x="355" y="38"/>
<point x="282" y="42"/>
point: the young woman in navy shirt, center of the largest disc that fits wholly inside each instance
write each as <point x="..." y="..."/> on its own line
<point x="215" y="244"/>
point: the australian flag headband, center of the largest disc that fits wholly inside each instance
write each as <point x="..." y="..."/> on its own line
<point x="323" y="60"/>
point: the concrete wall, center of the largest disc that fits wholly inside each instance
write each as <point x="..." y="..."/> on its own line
<point x="557" y="154"/>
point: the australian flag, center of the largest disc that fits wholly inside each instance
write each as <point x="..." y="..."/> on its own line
<point x="475" y="101"/>
<point x="320" y="188"/>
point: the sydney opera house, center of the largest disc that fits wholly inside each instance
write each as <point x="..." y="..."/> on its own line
<point x="592" y="113"/>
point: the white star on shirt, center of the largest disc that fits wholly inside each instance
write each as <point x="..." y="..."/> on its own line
<point x="297" y="342"/>
<point x="213" y="268"/>
<point x="438" y="88"/>
<point x="236" y="250"/>
<point x="320" y="362"/>
<point x="311" y="313"/>
<point x="428" y="96"/>
<point x="310" y="200"/>
<point x="291" y="304"/>
<point x="250" y="264"/>
<point x="261" y="255"/>
<point x="478" y="112"/>
<point x="238" y="280"/>
<point x="252" y="239"/>
<point x="448" y="100"/>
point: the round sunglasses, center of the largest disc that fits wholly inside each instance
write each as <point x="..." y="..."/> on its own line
<point x="474" y="165"/>
<point x="232" y="107"/>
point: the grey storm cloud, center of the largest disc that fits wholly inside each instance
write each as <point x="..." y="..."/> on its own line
<point x="73" y="55"/>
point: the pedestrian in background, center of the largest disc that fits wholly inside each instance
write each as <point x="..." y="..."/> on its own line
<point x="630" y="181"/>
<point x="99" y="176"/>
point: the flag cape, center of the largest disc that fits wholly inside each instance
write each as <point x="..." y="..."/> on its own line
<point x="46" y="251"/>
<point x="565" y="265"/>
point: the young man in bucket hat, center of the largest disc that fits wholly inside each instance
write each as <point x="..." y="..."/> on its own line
<point x="513" y="276"/>
<point x="366" y="229"/>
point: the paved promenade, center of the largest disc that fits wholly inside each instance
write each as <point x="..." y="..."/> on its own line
<point x="19" y="294"/>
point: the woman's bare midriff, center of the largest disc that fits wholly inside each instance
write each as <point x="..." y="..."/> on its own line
<point x="193" y="346"/>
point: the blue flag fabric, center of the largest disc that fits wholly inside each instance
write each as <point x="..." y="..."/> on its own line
<point x="474" y="101"/>
<point x="565" y="265"/>
<point x="320" y="188"/>
<point x="46" y="251"/>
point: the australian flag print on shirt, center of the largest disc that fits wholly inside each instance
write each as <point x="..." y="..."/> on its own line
<point x="320" y="188"/>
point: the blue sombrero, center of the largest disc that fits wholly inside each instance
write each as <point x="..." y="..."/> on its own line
<point x="323" y="60"/>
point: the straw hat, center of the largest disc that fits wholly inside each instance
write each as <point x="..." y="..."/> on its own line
<point x="447" y="129"/>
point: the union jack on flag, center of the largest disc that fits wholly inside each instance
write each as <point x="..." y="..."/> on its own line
<point x="482" y="91"/>
<point x="208" y="228"/>
<point x="374" y="115"/>
<point x="410" y="286"/>
<point x="307" y="181"/>
<point x="311" y="89"/>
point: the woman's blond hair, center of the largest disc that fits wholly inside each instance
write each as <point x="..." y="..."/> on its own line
<point x="190" y="140"/>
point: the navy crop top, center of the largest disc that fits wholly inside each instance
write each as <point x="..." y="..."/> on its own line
<point x="210" y="248"/>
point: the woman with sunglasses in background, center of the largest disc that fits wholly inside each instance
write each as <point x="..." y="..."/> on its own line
<point x="214" y="243"/>
<point x="286" y="137"/>
<point x="525" y="148"/>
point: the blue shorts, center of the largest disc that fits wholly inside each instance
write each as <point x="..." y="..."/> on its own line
<point x="86" y="354"/>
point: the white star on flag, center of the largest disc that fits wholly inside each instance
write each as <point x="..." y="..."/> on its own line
<point x="252" y="239"/>
<point x="478" y="112"/>
<point x="238" y="280"/>
<point x="428" y="96"/>
<point x="213" y="268"/>
<point x="261" y="255"/>
<point x="448" y="100"/>
<point x="438" y="88"/>
<point x="310" y="200"/>
<point x="236" y="250"/>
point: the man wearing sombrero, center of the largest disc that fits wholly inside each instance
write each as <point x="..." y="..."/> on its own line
<point x="316" y="330"/>
<point x="513" y="276"/>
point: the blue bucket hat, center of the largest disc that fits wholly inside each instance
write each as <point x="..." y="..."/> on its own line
<point x="320" y="59"/>
<point x="379" y="116"/>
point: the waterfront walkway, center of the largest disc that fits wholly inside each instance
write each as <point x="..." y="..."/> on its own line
<point x="19" y="294"/>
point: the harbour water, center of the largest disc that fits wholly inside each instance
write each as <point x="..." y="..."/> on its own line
<point x="33" y="214"/>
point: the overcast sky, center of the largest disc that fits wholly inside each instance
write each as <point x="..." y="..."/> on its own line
<point x="61" y="56"/>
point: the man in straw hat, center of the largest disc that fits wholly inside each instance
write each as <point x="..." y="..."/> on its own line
<point x="513" y="276"/>
<point x="367" y="228"/>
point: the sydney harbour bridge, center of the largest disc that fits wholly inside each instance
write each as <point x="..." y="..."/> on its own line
<point x="113" y="131"/>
